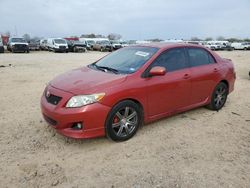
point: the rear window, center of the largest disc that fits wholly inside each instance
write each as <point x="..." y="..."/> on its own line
<point x="198" y="57"/>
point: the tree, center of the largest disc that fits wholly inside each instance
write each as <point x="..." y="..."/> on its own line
<point x="26" y="37"/>
<point x="233" y="40"/>
<point x="247" y="40"/>
<point x="114" y="36"/>
<point x="208" y="39"/>
<point x="195" y="39"/>
<point x="221" y="38"/>
<point x="92" y="35"/>
<point x="155" y="40"/>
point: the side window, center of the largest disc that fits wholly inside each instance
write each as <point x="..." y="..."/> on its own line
<point x="172" y="60"/>
<point x="198" y="57"/>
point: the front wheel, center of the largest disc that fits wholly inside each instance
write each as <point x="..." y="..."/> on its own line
<point x="123" y="121"/>
<point x="219" y="97"/>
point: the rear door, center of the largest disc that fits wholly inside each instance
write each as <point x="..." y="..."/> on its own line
<point x="170" y="92"/>
<point x="204" y="74"/>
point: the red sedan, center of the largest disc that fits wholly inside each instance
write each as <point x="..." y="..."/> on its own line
<point x="136" y="85"/>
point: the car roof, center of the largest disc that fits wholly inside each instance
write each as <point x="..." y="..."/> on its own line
<point x="169" y="45"/>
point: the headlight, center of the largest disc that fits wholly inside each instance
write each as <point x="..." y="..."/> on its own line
<point x="82" y="100"/>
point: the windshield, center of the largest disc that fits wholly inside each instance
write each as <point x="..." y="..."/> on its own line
<point x="60" y="41"/>
<point x="18" y="40"/>
<point x="127" y="60"/>
<point x="105" y="42"/>
<point x="79" y="42"/>
<point x="90" y="42"/>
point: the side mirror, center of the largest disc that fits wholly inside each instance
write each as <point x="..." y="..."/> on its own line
<point x="157" y="71"/>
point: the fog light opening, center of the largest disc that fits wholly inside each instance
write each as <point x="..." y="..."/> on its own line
<point x="77" y="126"/>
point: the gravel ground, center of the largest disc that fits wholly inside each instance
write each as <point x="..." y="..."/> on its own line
<point x="199" y="148"/>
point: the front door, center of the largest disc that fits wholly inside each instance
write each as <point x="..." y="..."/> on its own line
<point x="168" y="93"/>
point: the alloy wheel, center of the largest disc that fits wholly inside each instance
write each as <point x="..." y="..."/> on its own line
<point x="125" y="121"/>
<point x="220" y="96"/>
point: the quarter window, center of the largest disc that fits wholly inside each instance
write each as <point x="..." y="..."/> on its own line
<point x="198" y="57"/>
<point x="172" y="60"/>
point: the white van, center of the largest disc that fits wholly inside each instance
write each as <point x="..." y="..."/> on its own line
<point x="241" y="45"/>
<point x="217" y="45"/>
<point x="57" y="45"/>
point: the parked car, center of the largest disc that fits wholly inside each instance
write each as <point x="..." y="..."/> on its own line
<point x="89" y="42"/>
<point x="57" y="45"/>
<point x="1" y="46"/>
<point x="34" y="45"/>
<point x="241" y="45"/>
<point x="214" y="45"/>
<point x="227" y="47"/>
<point x="76" y="46"/>
<point x="16" y="44"/>
<point x="136" y="85"/>
<point x="124" y="43"/>
<point x="115" y="44"/>
<point x="103" y="45"/>
<point x="43" y="44"/>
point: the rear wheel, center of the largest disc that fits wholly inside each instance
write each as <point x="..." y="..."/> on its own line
<point x="123" y="121"/>
<point x="219" y="97"/>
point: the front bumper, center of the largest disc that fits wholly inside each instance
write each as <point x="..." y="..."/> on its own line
<point x="116" y="47"/>
<point x="61" y="49"/>
<point x="92" y="116"/>
<point x="20" y="48"/>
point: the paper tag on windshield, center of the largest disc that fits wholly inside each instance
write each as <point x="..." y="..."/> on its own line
<point x="143" y="54"/>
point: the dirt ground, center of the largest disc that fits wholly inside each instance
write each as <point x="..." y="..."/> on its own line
<point x="199" y="148"/>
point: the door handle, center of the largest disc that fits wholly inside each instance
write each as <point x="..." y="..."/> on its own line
<point x="186" y="76"/>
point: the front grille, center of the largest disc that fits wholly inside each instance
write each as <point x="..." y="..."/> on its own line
<point x="62" y="47"/>
<point x="20" y="46"/>
<point x="52" y="99"/>
<point x="50" y="120"/>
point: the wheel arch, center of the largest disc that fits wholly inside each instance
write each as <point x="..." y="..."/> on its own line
<point x="136" y="101"/>
<point x="225" y="82"/>
<point x="133" y="100"/>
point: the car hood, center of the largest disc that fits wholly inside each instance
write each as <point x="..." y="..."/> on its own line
<point x="14" y="43"/>
<point x="86" y="81"/>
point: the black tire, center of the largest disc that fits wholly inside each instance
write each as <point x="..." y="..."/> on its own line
<point x="28" y="51"/>
<point x="219" y="97"/>
<point x="123" y="121"/>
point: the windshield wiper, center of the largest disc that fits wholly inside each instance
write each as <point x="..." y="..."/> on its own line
<point x="105" y="69"/>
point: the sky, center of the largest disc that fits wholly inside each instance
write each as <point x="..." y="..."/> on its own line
<point x="133" y="19"/>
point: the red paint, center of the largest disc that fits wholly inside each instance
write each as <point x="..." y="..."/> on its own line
<point x="5" y="39"/>
<point x="72" y="38"/>
<point x="160" y="96"/>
